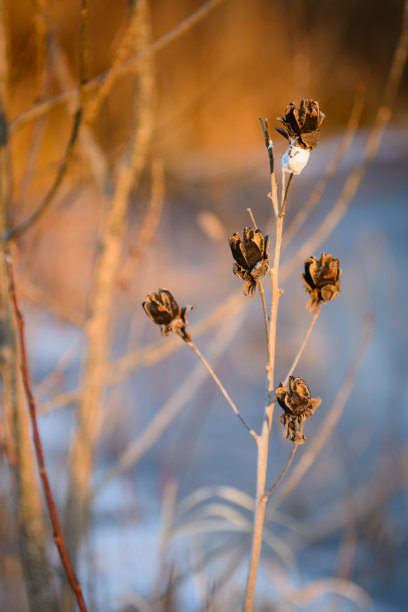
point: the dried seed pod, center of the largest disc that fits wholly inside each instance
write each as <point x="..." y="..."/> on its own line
<point x="301" y="125"/>
<point x="163" y="310"/>
<point x="251" y="257"/>
<point x="322" y="279"/>
<point x="297" y="405"/>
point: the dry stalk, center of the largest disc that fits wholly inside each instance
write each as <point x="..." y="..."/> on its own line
<point x="98" y="329"/>
<point x="58" y="537"/>
<point x="222" y="389"/>
<point x="263" y="445"/>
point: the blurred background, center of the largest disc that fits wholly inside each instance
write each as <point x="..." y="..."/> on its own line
<point x="152" y="473"/>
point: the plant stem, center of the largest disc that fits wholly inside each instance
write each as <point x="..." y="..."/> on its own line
<point x="273" y="487"/>
<point x="223" y="390"/>
<point x="265" y="312"/>
<point x="282" y="212"/>
<point x="302" y="346"/>
<point x="263" y="445"/>
<point x="58" y="537"/>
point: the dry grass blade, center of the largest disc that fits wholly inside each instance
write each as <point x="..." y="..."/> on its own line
<point x="308" y="595"/>
<point x="382" y="119"/>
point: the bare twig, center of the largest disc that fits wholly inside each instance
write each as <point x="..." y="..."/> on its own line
<point x="171" y="408"/>
<point x="263" y="445"/>
<point x="129" y="66"/>
<point x="302" y="346"/>
<point x="222" y="389"/>
<point x="285" y="197"/>
<point x="58" y="537"/>
<point x="281" y="477"/>
<point x="333" y="417"/>
<point x="265" y="313"/>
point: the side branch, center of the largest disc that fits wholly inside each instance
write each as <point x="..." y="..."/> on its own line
<point x="223" y="390"/>
<point x="58" y="537"/>
<point x="281" y="477"/>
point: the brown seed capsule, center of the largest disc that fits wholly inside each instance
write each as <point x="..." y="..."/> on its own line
<point x="322" y="279"/>
<point x="297" y="405"/>
<point x="163" y="310"/>
<point x="301" y="125"/>
<point x="251" y="257"/>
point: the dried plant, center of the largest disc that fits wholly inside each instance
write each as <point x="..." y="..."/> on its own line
<point x="254" y="263"/>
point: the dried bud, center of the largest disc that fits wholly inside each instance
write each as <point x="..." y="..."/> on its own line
<point x="297" y="405"/>
<point x="301" y="125"/>
<point x="163" y="309"/>
<point x="251" y="257"/>
<point x="322" y="279"/>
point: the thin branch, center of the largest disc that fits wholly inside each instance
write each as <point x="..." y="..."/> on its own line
<point x="129" y="66"/>
<point x="281" y="477"/>
<point x="249" y="211"/>
<point x="58" y="537"/>
<point x="222" y="389"/>
<point x="172" y="407"/>
<point x="282" y="212"/>
<point x="265" y="313"/>
<point x="332" y="418"/>
<point x="302" y="346"/>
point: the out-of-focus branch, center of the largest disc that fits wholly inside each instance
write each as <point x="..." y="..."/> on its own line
<point x="21" y="228"/>
<point x="58" y="537"/>
<point x="130" y="65"/>
<point x="98" y="328"/>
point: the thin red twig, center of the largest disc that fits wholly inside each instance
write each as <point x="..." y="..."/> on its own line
<point x="58" y="537"/>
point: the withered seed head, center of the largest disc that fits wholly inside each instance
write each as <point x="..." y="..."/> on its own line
<point x="251" y="257"/>
<point x="301" y="125"/>
<point x="322" y="279"/>
<point x="163" y="310"/>
<point x="297" y="405"/>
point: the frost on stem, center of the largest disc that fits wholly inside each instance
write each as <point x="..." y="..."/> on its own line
<point x="301" y="127"/>
<point x="163" y="310"/>
<point x="322" y="279"/>
<point x="297" y="405"/>
<point x="251" y="257"/>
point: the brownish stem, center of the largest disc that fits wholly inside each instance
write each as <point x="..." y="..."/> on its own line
<point x="58" y="537"/>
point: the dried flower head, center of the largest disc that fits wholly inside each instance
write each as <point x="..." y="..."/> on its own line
<point x="322" y="279"/>
<point x="251" y="257"/>
<point x="297" y="405"/>
<point x="301" y="125"/>
<point x="163" y="309"/>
